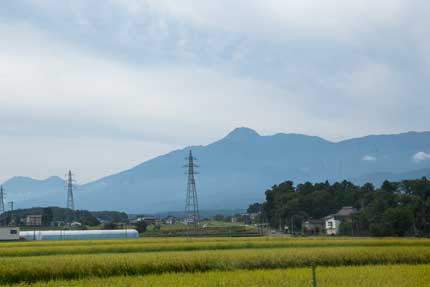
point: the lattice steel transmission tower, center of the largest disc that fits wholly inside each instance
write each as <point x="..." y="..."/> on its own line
<point x="192" y="215"/>
<point x="70" y="201"/>
<point x="2" y="194"/>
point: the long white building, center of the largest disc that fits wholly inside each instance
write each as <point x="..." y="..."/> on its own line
<point x="78" y="234"/>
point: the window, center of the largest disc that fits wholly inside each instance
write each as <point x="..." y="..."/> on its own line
<point x="13" y="231"/>
<point x="330" y="224"/>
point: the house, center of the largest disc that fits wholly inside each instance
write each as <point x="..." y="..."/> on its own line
<point x="57" y="223"/>
<point x="75" y="224"/>
<point x="33" y="220"/>
<point x="313" y="226"/>
<point x="9" y="233"/>
<point x="190" y="220"/>
<point x="246" y="218"/>
<point x="148" y="220"/>
<point x="333" y="221"/>
<point x="170" y="220"/>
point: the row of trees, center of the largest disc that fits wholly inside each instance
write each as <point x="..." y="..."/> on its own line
<point x="49" y="216"/>
<point x="394" y="209"/>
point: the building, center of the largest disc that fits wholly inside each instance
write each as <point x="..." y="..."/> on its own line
<point x="246" y="218"/>
<point x="78" y="234"/>
<point x="170" y="220"/>
<point x="149" y="220"/>
<point x="33" y="220"/>
<point x="9" y="233"/>
<point x="313" y="226"/>
<point x="333" y="221"/>
<point x="57" y="223"/>
<point x="332" y="225"/>
<point x="75" y="224"/>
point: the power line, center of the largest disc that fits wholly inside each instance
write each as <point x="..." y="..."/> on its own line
<point x="12" y="217"/>
<point x="192" y="215"/>
<point x="2" y="194"/>
<point x="70" y="201"/>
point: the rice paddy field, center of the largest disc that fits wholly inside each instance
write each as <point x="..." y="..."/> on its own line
<point x="258" y="261"/>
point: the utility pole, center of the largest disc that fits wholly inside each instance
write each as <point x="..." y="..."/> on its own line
<point x="191" y="215"/>
<point x="292" y="225"/>
<point x="12" y="220"/>
<point x="70" y="201"/>
<point x="11" y="205"/>
<point x="2" y="194"/>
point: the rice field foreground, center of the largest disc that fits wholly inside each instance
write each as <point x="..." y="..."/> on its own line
<point x="38" y="268"/>
<point x="352" y="276"/>
<point x="40" y="248"/>
<point x="263" y="261"/>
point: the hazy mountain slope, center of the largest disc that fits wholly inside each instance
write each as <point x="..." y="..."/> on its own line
<point x="236" y="170"/>
<point x="28" y="192"/>
<point x="378" y="178"/>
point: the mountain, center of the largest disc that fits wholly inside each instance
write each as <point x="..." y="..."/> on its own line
<point x="379" y="177"/>
<point x="236" y="170"/>
<point x="33" y="192"/>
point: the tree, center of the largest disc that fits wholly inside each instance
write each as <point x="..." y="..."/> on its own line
<point x="219" y="217"/>
<point x="394" y="209"/>
<point x="141" y="226"/>
<point x="110" y="225"/>
<point x="47" y="216"/>
<point x="255" y="208"/>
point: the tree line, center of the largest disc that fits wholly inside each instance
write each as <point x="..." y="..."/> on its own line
<point x="394" y="209"/>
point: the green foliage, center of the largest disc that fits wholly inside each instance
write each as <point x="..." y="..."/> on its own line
<point x="141" y="226"/>
<point x="111" y="216"/>
<point x="219" y="217"/>
<point x="50" y="214"/>
<point x="255" y="208"/>
<point x="395" y="209"/>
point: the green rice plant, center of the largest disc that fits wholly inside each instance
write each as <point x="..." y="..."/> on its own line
<point x="32" y="269"/>
<point x="352" y="276"/>
<point x="144" y="245"/>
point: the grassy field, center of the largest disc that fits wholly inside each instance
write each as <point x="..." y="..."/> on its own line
<point x="262" y="261"/>
<point x="351" y="276"/>
<point x="158" y="245"/>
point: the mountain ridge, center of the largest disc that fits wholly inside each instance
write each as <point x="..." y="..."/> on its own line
<point x="236" y="169"/>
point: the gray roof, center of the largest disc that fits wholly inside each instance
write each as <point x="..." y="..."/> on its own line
<point x="346" y="211"/>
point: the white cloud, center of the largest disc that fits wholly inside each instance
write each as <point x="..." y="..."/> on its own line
<point x="368" y="158"/>
<point x="421" y="156"/>
<point x="188" y="72"/>
<point x="74" y="89"/>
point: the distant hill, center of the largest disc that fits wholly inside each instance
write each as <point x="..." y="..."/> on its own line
<point x="35" y="192"/>
<point x="378" y="178"/>
<point x="50" y="214"/>
<point x="236" y="170"/>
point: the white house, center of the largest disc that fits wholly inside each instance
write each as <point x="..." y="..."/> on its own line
<point x="333" y="221"/>
<point x="332" y="225"/>
<point x="75" y="224"/>
<point x="171" y="220"/>
<point x="9" y="233"/>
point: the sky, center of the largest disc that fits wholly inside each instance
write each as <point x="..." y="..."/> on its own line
<point x="100" y="86"/>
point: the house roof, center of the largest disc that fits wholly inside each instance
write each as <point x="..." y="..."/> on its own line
<point x="314" y="221"/>
<point x="346" y="211"/>
<point x="343" y="212"/>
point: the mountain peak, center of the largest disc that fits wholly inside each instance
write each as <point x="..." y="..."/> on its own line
<point x="242" y="133"/>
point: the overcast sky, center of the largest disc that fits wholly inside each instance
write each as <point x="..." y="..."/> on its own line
<point x="100" y="86"/>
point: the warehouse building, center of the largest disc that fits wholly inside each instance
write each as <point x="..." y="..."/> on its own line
<point x="78" y="234"/>
<point x="33" y="220"/>
<point x="9" y="233"/>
